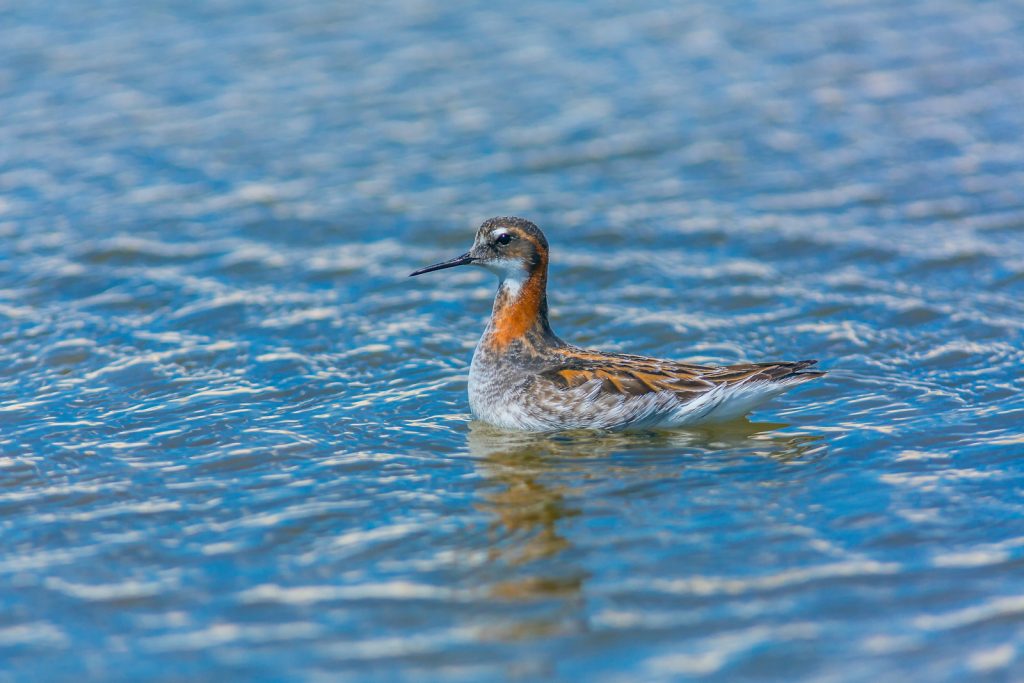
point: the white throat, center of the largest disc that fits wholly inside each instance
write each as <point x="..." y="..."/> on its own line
<point x="511" y="274"/>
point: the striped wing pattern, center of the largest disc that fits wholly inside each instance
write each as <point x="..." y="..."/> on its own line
<point x="633" y="376"/>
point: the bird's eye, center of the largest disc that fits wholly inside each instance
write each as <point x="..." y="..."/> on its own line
<point x="503" y="239"/>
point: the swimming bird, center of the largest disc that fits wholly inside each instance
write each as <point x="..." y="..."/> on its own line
<point x="524" y="377"/>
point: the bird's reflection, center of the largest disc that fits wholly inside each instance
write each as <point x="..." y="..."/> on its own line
<point x="536" y="484"/>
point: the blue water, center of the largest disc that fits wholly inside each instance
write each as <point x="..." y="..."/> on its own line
<point x="234" y="436"/>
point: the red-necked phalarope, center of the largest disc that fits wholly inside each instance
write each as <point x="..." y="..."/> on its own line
<point x="523" y="377"/>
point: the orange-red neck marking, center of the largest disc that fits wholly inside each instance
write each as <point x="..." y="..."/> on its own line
<point x="515" y="314"/>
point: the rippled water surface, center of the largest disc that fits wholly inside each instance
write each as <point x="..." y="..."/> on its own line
<point x="235" y="437"/>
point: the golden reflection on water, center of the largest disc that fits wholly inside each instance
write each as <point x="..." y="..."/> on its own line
<point x="536" y="482"/>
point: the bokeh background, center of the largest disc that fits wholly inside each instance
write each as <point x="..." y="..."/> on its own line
<point x="234" y="437"/>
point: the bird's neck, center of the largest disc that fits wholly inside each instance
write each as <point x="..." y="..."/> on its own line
<point x="520" y="309"/>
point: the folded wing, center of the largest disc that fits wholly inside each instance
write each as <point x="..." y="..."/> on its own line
<point x="668" y="393"/>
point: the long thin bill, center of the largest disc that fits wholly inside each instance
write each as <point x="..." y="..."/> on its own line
<point x="457" y="261"/>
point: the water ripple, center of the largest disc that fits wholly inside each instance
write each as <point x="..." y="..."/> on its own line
<point x="235" y="437"/>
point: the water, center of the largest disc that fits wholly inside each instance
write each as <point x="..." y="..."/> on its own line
<point x="235" y="438"/>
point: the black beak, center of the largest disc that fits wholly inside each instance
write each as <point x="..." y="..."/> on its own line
<point x="457" y="261"/>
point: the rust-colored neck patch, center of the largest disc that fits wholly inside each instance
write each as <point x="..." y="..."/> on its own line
<point x="514" y="315"/>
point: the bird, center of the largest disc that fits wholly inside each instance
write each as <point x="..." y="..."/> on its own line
<point x="523" y="377"/>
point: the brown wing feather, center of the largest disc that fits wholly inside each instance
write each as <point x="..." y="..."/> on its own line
<point x="637" y="375"/>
